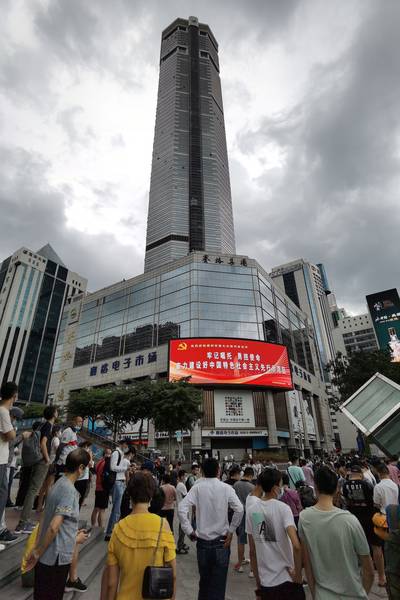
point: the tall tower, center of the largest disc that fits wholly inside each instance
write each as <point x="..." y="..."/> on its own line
<point x="190" y="205"/>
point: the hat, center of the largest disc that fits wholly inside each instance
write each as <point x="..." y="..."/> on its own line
<point x="194" y="465"/>
<point x="355" y="469"/>
<point x="148" y="466"/>
<point x="16" y="413"/>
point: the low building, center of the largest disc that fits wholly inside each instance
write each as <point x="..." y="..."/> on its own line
<point x="34" y="287"/>
<point x="120" y="334"/>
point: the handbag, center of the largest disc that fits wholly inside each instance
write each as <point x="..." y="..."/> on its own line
<point x="158" y="582"/>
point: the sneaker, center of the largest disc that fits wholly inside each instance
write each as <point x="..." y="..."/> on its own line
<point x="24" y="528"/>
<point x="107" y="538"/>
<point x="6" y="537"/>
<point x="10" y="504"/>
<point x="75" y="586"/>
<point x="238" y="568"/>
<point x="245" y="561"/>
<point x="2" y="547"/>
<point x="251" y="575"/>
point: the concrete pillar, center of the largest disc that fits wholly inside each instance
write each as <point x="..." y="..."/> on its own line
<point x="292" y="440"/>
<point x="317" y="431"/>
<point x="305" y="430"/>
<point x="151" y="436"/>
<point x="270" y="409"/>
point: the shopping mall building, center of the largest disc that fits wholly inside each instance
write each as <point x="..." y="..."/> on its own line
<point x="121" y="333"/>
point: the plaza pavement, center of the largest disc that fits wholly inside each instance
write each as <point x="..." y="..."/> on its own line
<point x="239" y="587"/>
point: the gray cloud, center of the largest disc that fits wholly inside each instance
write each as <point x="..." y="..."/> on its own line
<point x="33" y="213"/>
<point x="336" y="200"/>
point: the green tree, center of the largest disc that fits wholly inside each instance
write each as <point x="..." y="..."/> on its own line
<point x="88" y="403"/>
<point x="351" y="372"/>
<point x="140" y="403"/>
<point x="177" y="407"/>
<point x="33" y="410"/>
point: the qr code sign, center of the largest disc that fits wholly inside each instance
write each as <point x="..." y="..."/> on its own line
<point x="233" y="407"/>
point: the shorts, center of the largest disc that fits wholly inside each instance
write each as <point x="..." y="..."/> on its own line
<point x="241" y="532"/>
<point x="372" y="538"/>
<point x="101" y="500"/>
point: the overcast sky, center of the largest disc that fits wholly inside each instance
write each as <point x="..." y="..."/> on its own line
<point x="311" y="97"/>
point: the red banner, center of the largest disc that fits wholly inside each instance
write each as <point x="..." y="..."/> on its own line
<point x="230" y="361"/>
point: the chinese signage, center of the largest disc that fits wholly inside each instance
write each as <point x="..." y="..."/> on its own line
<point x="232" y="261"/>
<point x="233" y="410"/>
<point x="384" y="308"/>
<point x="234" y="432"/>
<point x="124" y="363"/>
<point x="230" y="361"/>
<point x="161" y="435"/>
<point x="300" y="372"/>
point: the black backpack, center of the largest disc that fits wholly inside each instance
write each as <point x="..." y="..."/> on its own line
<point x="109" y="477"/>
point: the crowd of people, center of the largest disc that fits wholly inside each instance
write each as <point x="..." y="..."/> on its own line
<point x="326" y="524"/>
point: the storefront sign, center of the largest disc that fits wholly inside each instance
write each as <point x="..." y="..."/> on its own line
<point x="234" y="432"/>
<point x="162" y="435"/>
<point x="230" y="361"/>
<point x="384" y="308"/>
<point x="126" y="362"/>
<point x="233" y="409"/>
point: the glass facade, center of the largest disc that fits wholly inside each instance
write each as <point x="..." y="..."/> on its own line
<point x="200" y="298"/>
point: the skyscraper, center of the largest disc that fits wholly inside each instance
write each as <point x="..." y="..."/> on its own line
<point x="190" y="206"/>
<point x="33" y="289"/>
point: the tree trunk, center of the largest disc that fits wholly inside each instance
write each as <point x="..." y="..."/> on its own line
<point x="169" y="446"/>
<point x="140" y="434"/>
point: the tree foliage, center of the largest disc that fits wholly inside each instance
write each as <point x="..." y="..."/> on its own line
<point x="172" y="406"/>
<point x="351" y="372"/>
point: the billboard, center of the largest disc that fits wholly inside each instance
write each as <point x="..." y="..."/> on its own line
<point x="230" y="361"/>
<point x="384" y="308"/>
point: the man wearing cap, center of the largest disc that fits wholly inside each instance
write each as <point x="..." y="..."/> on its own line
<point x="359" y="497"/>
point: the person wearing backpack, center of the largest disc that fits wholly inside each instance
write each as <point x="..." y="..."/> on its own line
<point x="101" y="494"/>
<point x="118" y="466"/>
<point x="36" y="454"/>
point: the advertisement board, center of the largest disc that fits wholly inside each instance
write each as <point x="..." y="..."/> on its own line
<point x="230" y="361"/>
<point x="384" y="308"/>
<point x="233" y="409"/>
<point x="299" y="405"/>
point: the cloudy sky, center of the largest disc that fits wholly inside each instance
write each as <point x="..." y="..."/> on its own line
<point x="311" y="95"/>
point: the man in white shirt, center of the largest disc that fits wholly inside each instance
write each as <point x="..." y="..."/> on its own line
<point x="181" y="492"/>
<point x="275" y="549"/>
<point x="118" y="465"/>
<point x="211" y="498"/>
<point x="9" y="394"/>
<point x="386" y="491"/>
<point x="68" y="442"/>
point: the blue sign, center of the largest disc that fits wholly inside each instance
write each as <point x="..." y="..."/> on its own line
<point x="124" y="363"/>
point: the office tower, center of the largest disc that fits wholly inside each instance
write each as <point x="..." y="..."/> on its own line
<point x="33" y="290"/>
<point x="190" y="206"/>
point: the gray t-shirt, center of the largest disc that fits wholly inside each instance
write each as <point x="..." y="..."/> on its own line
<point x="5" y="427"/>
<point x="63" y="500"/>
<point x="243" y="488"/>
<point x="335" y="540"/>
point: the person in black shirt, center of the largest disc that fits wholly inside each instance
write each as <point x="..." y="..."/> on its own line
<point x="359" y="497"/>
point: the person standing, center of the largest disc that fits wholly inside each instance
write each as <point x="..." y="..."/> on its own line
<point x="394" y="471"/>
<point x="334" y="545"/>
<point x="275" y="547"/>
<point x="295" y="474"/>
<point x="308" y="473"/>
<point x="118" y="465"/>
<point x="291" y="498"/>
<point x="51" y="474"/>
<point x="40" y="467"/>
<point x="358" y="495"/>
<point x="243" y="488"/>
<point x="9" y="394"/>
<point x="211" y="498"/>
<point x="101" y="495"/>
<point x="168" y="508"/>
<point x="181" y="492"/>
<point x="193" y="477"/>
<point x="15" y="414"/>
<point x="58" y="532"/>
<point x="386" y="491"/>
<point x="68" y="443"/>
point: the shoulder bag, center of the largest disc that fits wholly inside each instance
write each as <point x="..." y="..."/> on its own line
<point x="158" y="582"/>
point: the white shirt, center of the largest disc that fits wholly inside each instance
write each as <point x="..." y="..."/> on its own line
<point x="181" y="492"/>
<point x="386" y="492"/>
<point x="212" y="498"/>
<point x="369" y="477"/>
<point x="5" y="427"/>
<point x="267" y="521"/>
<point x="70" y="441"/>
<point x="121" y="468"/>
<point x="55" y="442"/>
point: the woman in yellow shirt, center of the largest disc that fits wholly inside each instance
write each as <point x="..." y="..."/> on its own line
<point x="132" y="544"/>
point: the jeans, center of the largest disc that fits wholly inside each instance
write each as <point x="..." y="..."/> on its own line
<point x="181" y="538"/>
<point x="117" y="493"/>
<point x="3" y="491"/>
<point x="38" y="475"/>
<point x="213" y="563"/>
